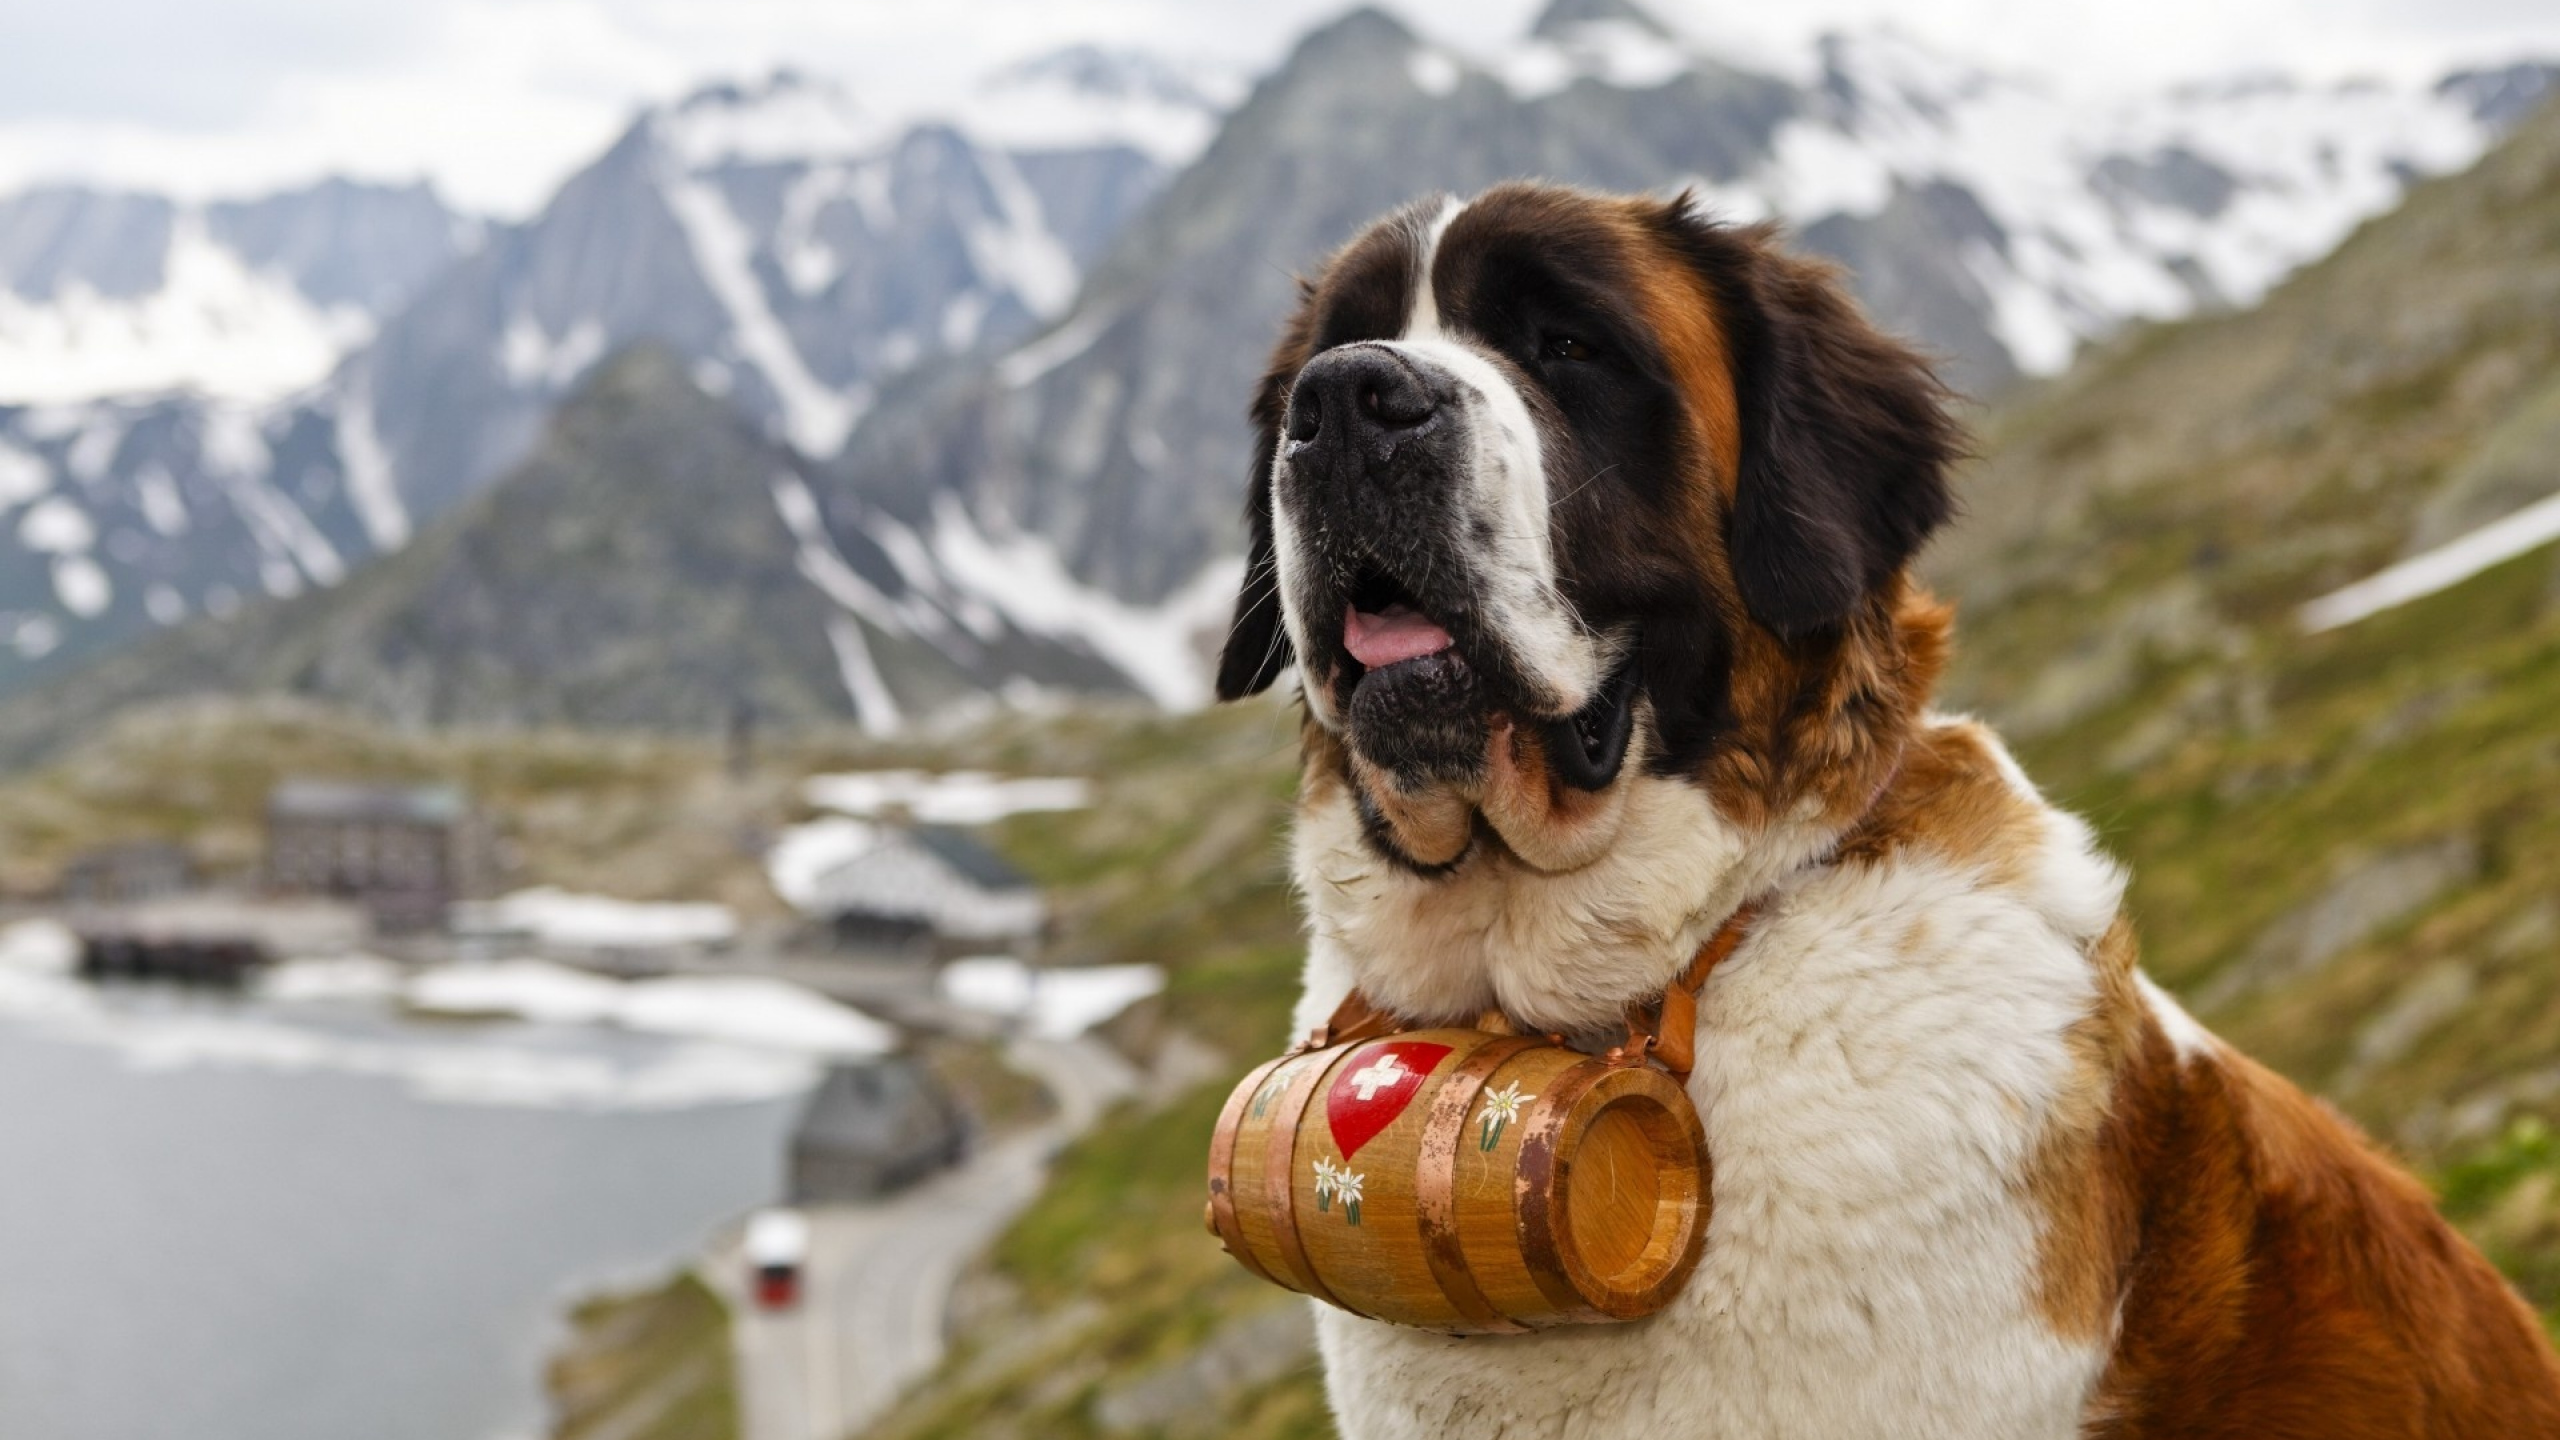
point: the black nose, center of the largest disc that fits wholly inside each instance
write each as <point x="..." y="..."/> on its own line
<point x="1359" y="398"/>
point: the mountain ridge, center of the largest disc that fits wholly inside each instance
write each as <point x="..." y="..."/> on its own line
<point x="1038" y="355"/>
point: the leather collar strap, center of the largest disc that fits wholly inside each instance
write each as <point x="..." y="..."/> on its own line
<point x="1665" y="1031"/>
<point x="1670" y="1034"/>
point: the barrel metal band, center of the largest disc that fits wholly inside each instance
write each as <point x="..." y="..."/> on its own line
<point x="1542" y="1216"/>
<point x="1435" y="1184"/>
<point x="1222" y="1168"/>
<point x="1280" y="1181"/>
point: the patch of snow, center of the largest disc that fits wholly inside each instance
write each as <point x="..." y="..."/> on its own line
<point x="94" y="448"/>
<point x="752" y="1010"/>
<point x="465" y="1072"/>
<point x="36" y="637"/>
<point x="81" y="584"/>
<point x="1056" y="1003"/>
<point x="1160" y="648"/>
<point x="236" y="455"/>
<point x="23" y="475"/>
<point x="162" y="507"/>
<point x="785" y="117"/>
<point x="1534" y="70"/>
<point x="1087" y="98"/>
<point x="809" y="264"/>
<point x="2306" y="164"/>
<point x="337" y="978"/>
<point x="537" y="990"/>
<point x="2441" y="568"/>
<point x="955" y="797"/>
<point x="1019" y="251"/>
<point x="39" y="947"/>
<point x="1054" y="349"/>
<point x="551" y="915"/>
<point x="740" y="1010"/>
<point x="371" y="487"/>
<point x="802" y="855"/>
<point x="1624" y="54"/>
<point x="214" y="326"/>
<point x="1434" y="72"/>
<point x="230" y="441"/>
<point x="815" y="418"/>
<point x="874" y="708"/>
<point x="533" y="360"/>
<point x="875" y="193"/>
<point x="822" y="564"/>
<point x="55" y="526"/>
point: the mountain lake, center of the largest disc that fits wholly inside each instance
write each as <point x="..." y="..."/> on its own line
<point x="250" y="1219"/>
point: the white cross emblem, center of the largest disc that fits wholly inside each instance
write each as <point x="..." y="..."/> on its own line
<point x="1384" y="1073"/>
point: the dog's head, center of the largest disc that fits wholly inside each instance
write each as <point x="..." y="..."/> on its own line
<point x="1558" y="496"/>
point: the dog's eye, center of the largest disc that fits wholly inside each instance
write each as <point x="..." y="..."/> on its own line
<point x="1563" y="347"/>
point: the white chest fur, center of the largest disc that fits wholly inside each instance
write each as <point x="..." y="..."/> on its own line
<point x="1875" y="1066"/>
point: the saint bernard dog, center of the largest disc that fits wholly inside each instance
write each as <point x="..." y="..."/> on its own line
<point x="1586" y="526"/>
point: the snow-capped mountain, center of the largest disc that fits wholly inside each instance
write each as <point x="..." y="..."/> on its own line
<point x="2000" y="222"/>
<point x="1002" y="350"/>
<point x="794" y="249"/>
<point x="108" y="294"/>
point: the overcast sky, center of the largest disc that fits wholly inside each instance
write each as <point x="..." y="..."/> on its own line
<point x="497" y="100"/>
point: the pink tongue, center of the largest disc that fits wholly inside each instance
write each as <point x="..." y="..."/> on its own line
<point x="1399" y="633"/>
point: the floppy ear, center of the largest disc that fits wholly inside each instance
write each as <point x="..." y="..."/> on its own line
<point x="1258" y="646"/>
<point x="1845" y="437"/>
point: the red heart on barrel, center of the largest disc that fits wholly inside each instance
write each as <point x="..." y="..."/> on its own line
<point x="1369" y="1093"/>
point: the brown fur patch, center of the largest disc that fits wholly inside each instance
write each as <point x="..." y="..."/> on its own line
<point x="1544" y="821"/>
<point x="1950" y="796"/>
<point x="2081" y="1180"/>
<point x="1682" y="314"/>
<point x="1432" y="825"/>
<point x="2286" y="1279"/>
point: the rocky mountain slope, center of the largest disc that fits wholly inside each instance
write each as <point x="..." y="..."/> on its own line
<point x="653" y="564"/>
<point x="1037" y="355"/>
<point x="2000" y="222"/>
<point x="105" y="293"/>
<point x="2342" y="841"/>
<point x="795" y="249"/>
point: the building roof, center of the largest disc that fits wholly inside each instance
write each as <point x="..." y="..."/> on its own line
<point x="126" y="851"/>
<point x="975" y="863"/>
<point x="873" y="1107"/>
<point x="339" y="800"/>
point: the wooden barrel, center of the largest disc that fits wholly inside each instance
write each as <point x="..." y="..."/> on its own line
<point x="1464" y="1182"/>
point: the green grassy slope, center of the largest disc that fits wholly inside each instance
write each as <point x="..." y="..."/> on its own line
<point x="648" y="1365"/>
<point x="2345" y="847"/>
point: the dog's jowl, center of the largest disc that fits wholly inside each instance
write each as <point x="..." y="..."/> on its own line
<point x="1584" y="525"/>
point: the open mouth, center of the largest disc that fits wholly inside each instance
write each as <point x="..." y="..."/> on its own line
<point x="1382" y="626"/>
<point x="1587" y="747"/>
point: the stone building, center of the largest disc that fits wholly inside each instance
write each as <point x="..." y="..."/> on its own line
<point x="403" y="853"/>
<point x="124" y="874"/>
<point x="873" y="1126"/>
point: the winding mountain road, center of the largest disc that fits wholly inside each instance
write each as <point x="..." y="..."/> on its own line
<point x="877" y="1285"/>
